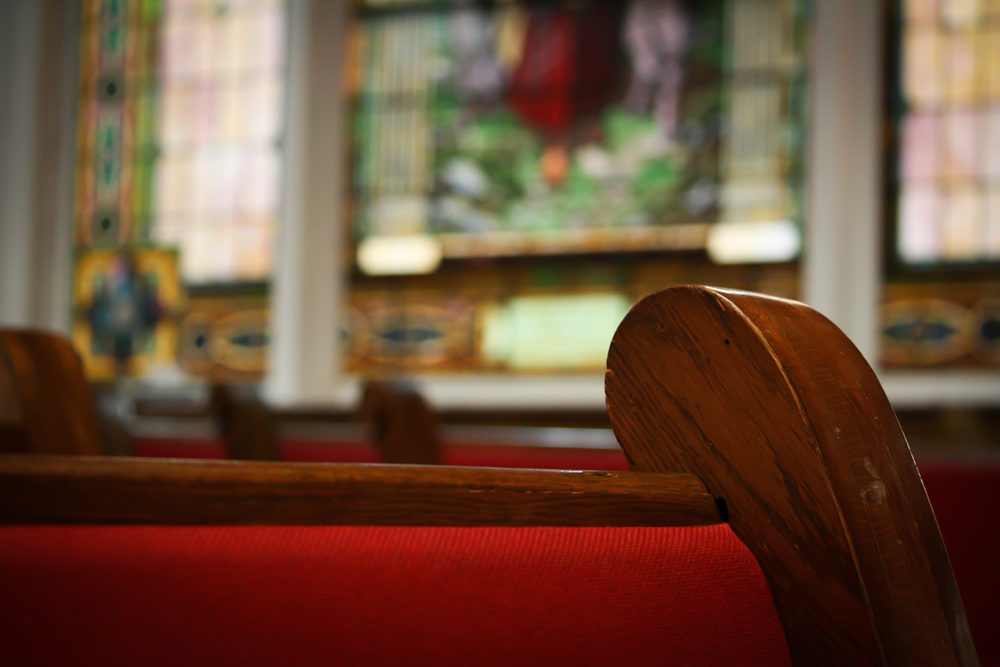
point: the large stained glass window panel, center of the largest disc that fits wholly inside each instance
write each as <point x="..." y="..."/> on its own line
<point x="221" y="69"/>
<point x="949" y="132"/>
<point x="552" y="127"/>
<point x="515" y="159"/>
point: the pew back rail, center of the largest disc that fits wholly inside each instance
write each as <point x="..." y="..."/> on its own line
<point x="91" y="490"/>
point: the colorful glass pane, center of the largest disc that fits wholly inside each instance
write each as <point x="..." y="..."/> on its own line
<point x="115" y="144"/>
<point x="949" y="131"/>
<point x="575" y="126"/>
<point x="221" y="75"/>
<point x="180" y="131"/>
<point x="179" y="148"/>
<point x="583" y="129"/>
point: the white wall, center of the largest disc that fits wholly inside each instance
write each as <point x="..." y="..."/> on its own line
<point x="841" y="269"/>
<point x="306" y="303"/>
<point x="38" y="74"/>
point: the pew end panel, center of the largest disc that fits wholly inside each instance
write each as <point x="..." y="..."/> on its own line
<point x="768" y="403"/>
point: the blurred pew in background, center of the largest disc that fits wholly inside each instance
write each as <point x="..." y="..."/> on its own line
<point x="45" y="403"/>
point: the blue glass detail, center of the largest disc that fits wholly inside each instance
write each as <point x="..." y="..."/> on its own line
<point x="920" y="332"/>
<point x="250" y="339"/>
<point x="410" y="335"/>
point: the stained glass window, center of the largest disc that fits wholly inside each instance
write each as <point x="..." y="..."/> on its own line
<point x="179" y="155"/>
<point x="530" y="128"/>
<point x="115" y="137"/>
<point x="949" y="132"/>
<point x="221" y="73"/>
<point x="180" y="131"/>
<point x="555" y="157"/>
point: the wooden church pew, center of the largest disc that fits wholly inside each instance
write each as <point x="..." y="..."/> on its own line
<point x="36" y="419"/>
<point x="45" y="403"/>
<point x="403" y="425"/>
<point x="247" y="425"/>
<point x="760" y="400"/>
<point x="47" y="407"/>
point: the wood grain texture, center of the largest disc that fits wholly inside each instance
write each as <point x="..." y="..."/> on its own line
<point x="775" y="410"/>
<point x="404" y="427"/>
<point x="52" y="489"/>
<point x="45" y="403"/>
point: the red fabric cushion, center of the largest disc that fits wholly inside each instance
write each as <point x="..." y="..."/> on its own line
<point x="383" y="595"/>
<point x="317" y="451"/>
<point x="457" y="454"/>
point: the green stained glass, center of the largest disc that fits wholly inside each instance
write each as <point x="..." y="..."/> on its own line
<point x="179" y="139"/>
<point x="114" y="159"/>
<point x="577" y="126"/>
<point x="553" y="332"/>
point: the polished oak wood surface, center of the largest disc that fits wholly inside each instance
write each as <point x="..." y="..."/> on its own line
<point x="45" y="403"/>
<point x="771" y="406"/>
<point x="36" y="489"/>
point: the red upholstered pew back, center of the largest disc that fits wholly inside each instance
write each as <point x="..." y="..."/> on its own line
<point x="383" y="595"/>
